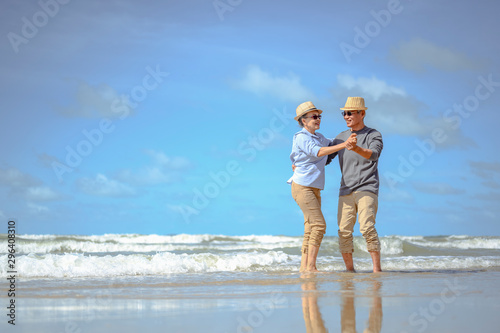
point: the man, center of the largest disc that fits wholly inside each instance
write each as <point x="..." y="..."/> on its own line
<point x="360" y="182"/>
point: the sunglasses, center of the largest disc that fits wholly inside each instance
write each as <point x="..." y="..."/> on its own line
<point x="315" y="116"/>
<point x="349" y="113"/>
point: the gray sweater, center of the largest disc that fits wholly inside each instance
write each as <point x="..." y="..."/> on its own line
<point x="359" y="173"/>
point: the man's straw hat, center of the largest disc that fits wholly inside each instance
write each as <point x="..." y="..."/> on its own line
<point x="354" y="103"/>
<point x="304" y="108"/>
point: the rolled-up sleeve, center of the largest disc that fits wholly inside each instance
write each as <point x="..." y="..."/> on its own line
<point x="376" y="145"/>
<point x="307" y="145"/>
<point x="332" y="156"/>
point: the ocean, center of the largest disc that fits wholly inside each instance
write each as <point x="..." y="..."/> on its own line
<point x="121" y="255"/>
<point x="219" y="283"/>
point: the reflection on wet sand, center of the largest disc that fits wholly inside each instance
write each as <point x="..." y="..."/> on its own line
<point x="348" y="311"/>
<point x="312" y="315"/>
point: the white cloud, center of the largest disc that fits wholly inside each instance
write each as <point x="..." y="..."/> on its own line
<point x="287" y="88"/>
<point x="184" y="210"/>
<point x="14" y="178"/>
<point x="97" y="101"/>
<point x="37" y="209"/>
<point x="391" y="110"/>
<point x="395" y="195"/>
<point x="41" y="193"/>
<point x="491" y="184"/>
<point x="490" y="196"/>
<point x="372" y="87"/>
<point x="175" y="162"/>
<point x="144" y="176"/>
<point x="102" y="186"/>
<point x="25" y="186"/>
<point x="489" y="172"/>
<point x="418" y="55"/>
<point x="46" y="160"/>
<point x="485" y="170"/>
<point x="163" y="169"/>
<point x="437" y="188"/>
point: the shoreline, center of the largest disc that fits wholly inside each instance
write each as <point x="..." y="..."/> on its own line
<point x="430" y="301"/>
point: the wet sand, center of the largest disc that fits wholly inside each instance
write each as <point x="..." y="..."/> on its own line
<point x="422" y="301"/>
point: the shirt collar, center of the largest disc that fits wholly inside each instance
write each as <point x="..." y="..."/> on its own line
<point x="309" y="133"/>
<point x="361" y="130"/>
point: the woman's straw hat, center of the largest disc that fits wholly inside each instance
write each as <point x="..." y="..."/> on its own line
<point x="354" y="103"/>
<point x="304" y="108"/>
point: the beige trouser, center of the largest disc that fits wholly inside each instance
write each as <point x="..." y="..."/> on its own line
<point x="365" y="205"/>
<point x="309" y="201"/>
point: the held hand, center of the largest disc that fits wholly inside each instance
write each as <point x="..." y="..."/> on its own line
<point x="353" y="138"/>
<point x="351" y="141"/>
<point x="293" y="167"/>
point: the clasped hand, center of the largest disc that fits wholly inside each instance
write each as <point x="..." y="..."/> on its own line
<point x="351" y="142"/>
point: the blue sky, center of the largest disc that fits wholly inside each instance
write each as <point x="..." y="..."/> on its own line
<point x="173" y="117"/>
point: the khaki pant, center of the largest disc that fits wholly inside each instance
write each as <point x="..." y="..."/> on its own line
<point x="309" y="201"/>
<point x="365" y="205"/>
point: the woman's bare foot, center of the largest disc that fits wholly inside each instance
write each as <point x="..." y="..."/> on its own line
<point x="312" y="270"/>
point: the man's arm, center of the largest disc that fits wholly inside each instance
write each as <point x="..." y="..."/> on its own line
<point x="371" y="153"/>
<point x="366" y="153"/>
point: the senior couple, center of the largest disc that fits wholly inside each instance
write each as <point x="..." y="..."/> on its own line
<point x="358" y="150"/>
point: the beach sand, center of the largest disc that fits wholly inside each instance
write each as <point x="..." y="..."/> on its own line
<point x="393" y="301"/>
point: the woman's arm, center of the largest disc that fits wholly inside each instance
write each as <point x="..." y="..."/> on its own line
<point x="333" y="149"/>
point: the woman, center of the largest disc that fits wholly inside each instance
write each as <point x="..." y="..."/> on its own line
<point x="309" y="155"/>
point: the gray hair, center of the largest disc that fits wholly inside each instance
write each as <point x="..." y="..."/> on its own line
<point x="300" y="120"/>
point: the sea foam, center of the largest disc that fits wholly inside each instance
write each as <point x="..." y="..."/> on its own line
<point x="137" y="255"/>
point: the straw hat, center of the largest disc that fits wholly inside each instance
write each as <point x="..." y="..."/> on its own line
<point x="304" y="108"/>
<point x="354" y="103"/>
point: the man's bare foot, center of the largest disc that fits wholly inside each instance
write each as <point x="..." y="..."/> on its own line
<point x="376" y="261"/>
